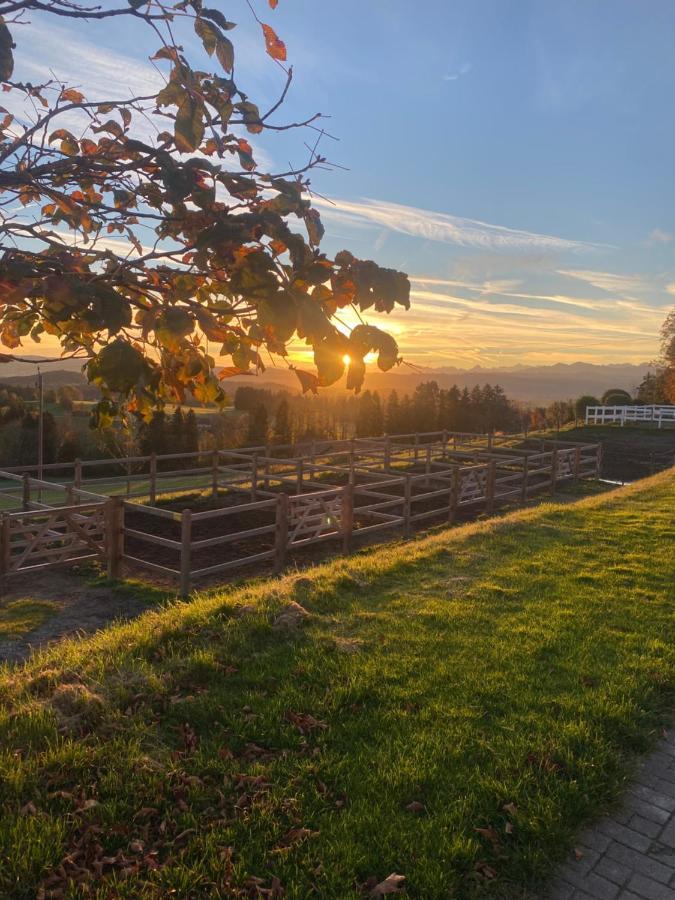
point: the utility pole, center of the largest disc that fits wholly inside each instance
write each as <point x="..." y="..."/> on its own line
<point x="41" y="424"/>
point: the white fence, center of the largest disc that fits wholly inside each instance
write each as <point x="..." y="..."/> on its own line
<point x="606" y="415"/>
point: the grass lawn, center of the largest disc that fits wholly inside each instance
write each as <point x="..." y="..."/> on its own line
<point x="451" y="710"/>
<point x="19" y="617"/>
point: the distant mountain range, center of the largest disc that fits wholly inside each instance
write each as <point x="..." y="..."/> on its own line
<point x="538" y="385"/>
<point x="531" y="384"/>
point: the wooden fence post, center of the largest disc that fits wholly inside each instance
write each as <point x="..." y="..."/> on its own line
<point x="77" y="474"/>
<point x="407" y="503"/>
<point x="268" y="453"/>
<point x="301" y="476"/>
<point x="454" y="494"/>
<point x="490" y="486"/>
<point x="554" y="469"/>
<point x="347" y="517"/>
<point x="598" y="461"/>
<point x="185" y="552"/>
<point x="4" y="544"/>
<point x="524" y="485"/>
<point x="427" y="464"/>
<point x="115" y="536"/>
<point x="281" y="533"/>
<point x="577" y="462"/>
<point x="254" y="477"/>
<point x="490" y="441"/>
<point x="444" y="441"/>
<point x="417" y="446"/>
<point x="387" y="453"/>
<point x="153" y="478"/>
<point x="214" y="473"/>
<point x="26" y="491"/>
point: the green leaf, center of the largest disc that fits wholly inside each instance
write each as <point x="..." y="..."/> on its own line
<point x="172" y="326"/>
<point x="280" y="314"/>
<point x="6" y="55"/>
<point x="189" y="125"/>
<point x="118" y="366"/>
<point x="225" y="53"/>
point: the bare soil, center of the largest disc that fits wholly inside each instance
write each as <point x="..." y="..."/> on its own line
<point x="83" y="608"/>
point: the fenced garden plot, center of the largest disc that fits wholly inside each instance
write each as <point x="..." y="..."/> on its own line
<point x="191" y="517"/>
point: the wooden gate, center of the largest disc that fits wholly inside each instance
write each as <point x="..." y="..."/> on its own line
<point x="40" y="539"/>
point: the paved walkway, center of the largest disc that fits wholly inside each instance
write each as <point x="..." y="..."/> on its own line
<point x="629" y="855"/>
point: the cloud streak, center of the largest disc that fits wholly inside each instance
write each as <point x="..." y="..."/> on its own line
<point x="445" y="228"/>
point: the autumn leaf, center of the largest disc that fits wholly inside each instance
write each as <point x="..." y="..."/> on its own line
<point x="231" y="371"/>
<point x="308" y="381"/>
<point x="274" y="46"/>
<point x="225" y="53"/>
<point x="416" y="807"/>
<point x="6" y="56"/>
<point x="273" y="3"/>
<point x="72" y="96"/>
<point x="391" y="885"/>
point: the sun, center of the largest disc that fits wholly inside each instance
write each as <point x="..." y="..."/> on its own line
<point x="346" y="359"/>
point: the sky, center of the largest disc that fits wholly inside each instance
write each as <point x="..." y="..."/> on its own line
<point x="514" y="158"/>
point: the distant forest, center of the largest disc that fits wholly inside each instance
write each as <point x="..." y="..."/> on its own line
<point x="260" y="416"/>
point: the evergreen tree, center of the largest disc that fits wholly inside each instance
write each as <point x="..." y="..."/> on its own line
<point x="282" y="424"/>
<point x="258" y="426"/>
<point x="190" y="433"/>
<point x="392" y="417"/>
<point x="154" y="436"/>
<point x="177" y="431"/>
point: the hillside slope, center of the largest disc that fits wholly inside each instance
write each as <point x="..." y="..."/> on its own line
<point x="451" y="710"/>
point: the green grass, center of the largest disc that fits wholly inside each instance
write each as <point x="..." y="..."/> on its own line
<point x="19" y="617"/>
<point x="499" y="676"/>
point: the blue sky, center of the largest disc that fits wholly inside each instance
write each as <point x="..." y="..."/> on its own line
<point x="515" y="157"/>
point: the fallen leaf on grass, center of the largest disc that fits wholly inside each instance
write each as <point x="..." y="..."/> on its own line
<point x="293" y="837"/>
<point x="305" y="722"/>
<point x="391" y="885"/>
<point x="578" y="854"/>
<point x="489" y="833"/>
<point x="510" y="808"/>
<point x="416" y="807"/>
<point x="29" y="809"/>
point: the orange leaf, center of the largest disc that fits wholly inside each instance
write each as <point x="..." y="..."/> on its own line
<point x="275" y="47"/>
<point x="308" y="381"/>
<point x="231" y="371"/>
<point x="273" y="4"/>
<point x="391" y="885"/>
<point x="72" y="95"/>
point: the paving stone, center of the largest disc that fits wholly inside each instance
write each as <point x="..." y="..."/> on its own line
<point x="667" y="836"/>
<point x="645" y="826"/>
<point x="645" y="793"/>
<point x="561" y="890"/>
<point x="648" y="810"/>
<point x="641" y="862"/>
<point x="615" y="871"/>
<point x="600" y="888"/>
<point x="625" y="835"/>
<point x="647" y="887"/>
<point x="595" y="840"/>
<point x="630" y="855"/>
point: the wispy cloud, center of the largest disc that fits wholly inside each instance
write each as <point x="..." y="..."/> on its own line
<point x="611" y="282"/>
<point x="464" y="69"/>
<point x="657" y="236"/>
<point x="445" y="228"/>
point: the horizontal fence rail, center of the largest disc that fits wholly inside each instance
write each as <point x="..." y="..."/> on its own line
<point x="622" y="415"/>
<point x="268" y="501"/>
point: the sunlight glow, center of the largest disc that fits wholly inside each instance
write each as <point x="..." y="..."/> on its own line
<point x="346" y="359"/>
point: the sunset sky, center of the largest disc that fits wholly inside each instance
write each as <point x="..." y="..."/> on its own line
<point x="515" y="158"/>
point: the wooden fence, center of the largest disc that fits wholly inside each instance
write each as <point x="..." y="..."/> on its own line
<point x="273" y="501"/>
